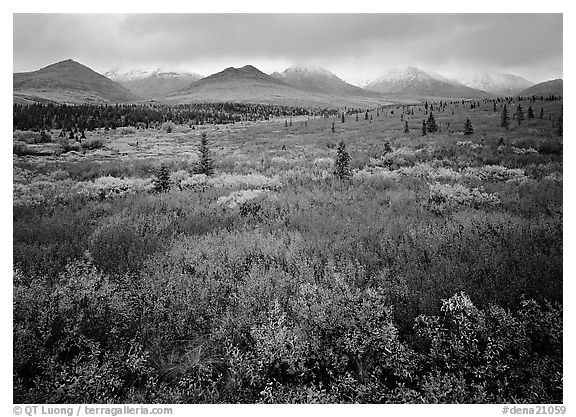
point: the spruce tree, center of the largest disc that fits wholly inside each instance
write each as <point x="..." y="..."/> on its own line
<point x="387" y="147"/>
<point x="468" y="129"/>
<point x="423" y="127"/>
<point x="343" y="120"/>
<point x="519" y="114"/>
<point x="542" y="113"/>
<point x="560" y="127"/>
<point x="494" y="107"/>
<point x="333" y="129"/>
<point x="406" y="129"/>
<point x="504" y="119"/>
<point x="205" y="163"/>
<point x="530" y="113"/>
<point x="431" y="124"/>
<point x="342" y="163"/>
<point x="162" y="180"/>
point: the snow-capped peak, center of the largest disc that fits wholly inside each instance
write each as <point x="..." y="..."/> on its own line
<point x="401" y="75"/>
<point x="141" y="73"/>
<point x="495" y="81"/>
<point x="307" y="71"/>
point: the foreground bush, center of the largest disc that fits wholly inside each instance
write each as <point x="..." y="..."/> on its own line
<point x="89" y="338"/>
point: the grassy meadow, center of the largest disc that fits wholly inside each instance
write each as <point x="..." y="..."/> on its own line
<point x="433" y="275"/>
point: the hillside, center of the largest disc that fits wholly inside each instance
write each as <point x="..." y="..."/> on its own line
<point x="249" y="84"/>
<point x="153" y="84"/>
<point x="414" y="82"/>
<point x="68" y="82"/>
<point x="320" y="80"/>
<point x="496" y="83"/>
<point x="554" y="87"/>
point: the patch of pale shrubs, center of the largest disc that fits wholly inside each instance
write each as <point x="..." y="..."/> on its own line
<point x="224" y="180"/>
<point x="237" y="198"/>
<point x="107" y="187"/>
<point x="469" y="144"/>
<point x="496" y="173"/>
<point x="453" y="195"/>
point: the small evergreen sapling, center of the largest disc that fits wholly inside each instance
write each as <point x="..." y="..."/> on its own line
<point x="162" y="180"/>
<point x="431" y="124"/>
<point x="519" y="114"/>
<point x="205" y="163"/>
<point x="342" y="163"/>
<point x="468" y="129"/>
<point x="504" y="119"/>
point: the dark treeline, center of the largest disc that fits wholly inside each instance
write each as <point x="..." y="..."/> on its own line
<point x="90" y="117"/>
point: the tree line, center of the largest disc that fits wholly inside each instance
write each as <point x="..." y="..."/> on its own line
<point x="89" y="117"/>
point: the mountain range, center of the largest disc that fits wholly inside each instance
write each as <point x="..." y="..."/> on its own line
<point x="68" y="82"/>
<point x="554" y="87"/>
<point x="71" y="82"/>
<point x="414" y="82"/>
<point x="296" y="86"/>
<point x="153" y="84"/>
<point x="496" y="83"/>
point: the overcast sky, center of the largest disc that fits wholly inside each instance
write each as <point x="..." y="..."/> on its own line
<point x="353" y="46"/>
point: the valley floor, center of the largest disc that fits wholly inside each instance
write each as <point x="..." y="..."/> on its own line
<point x="433" y="275"/>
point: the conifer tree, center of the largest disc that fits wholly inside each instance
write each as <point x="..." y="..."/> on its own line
<point x="519" y="114"/>
<point x="387" y="147"/>
<point x="356" y="116"/>
<point x="333" y="129"/>
<point x="162" y="180"/>
<point x="560" y="127"/>
<point x="406" y="129"/>
<point x="431" y="124"/>
<point x="205" y="163"/>
<point x="343" y="120"/>
<point x="504" y="120"/>
<point x="468" y="129"/>
<point x="423" y="127"/>
<point x="542" y="113"/>
<point x="342" y="163"/>
<point x="530" y="112"/>
<point x="494" y="107"/>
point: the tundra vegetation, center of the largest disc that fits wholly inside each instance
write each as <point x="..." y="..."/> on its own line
<point x="402" y="258"/>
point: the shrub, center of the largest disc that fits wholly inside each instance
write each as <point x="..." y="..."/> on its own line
<point x="93" y="144"/>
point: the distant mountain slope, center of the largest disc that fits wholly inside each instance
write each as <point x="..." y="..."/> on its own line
<point x="249" y="84"/>
<point x="496" y="83"/>
<point x="413" y="82"/>
<point x="555" y="87"/>
<point x="320" y="80"/>
<point x="68" y="82"/>
<point x="153" y="84"/>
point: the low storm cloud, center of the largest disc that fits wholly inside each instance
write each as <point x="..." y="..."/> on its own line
<point x="354" y="46"/>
